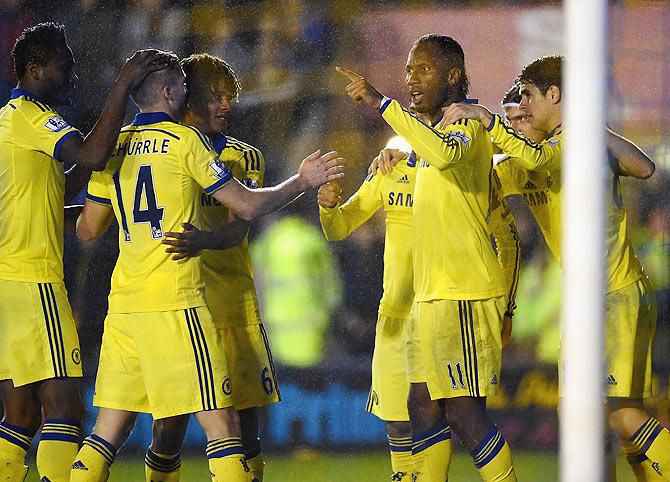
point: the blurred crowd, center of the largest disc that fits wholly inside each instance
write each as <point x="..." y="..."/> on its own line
<point x="319" y="299"/>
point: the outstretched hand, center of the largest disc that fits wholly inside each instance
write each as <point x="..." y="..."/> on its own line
<point x="360" y="90"/>
<point x="457" y="111"/>
<point x="316" y="169"/>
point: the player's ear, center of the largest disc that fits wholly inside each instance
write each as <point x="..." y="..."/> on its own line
<point x="554" y="94"/>
<point x="34" y="70"/>
<point x="454" y="76"/>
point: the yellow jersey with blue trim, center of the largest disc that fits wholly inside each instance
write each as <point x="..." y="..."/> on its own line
<point x="394" y="192"/>
<point x="229" y="275"/>
<point x="153" y="181"/>
<point x="453" y="254"/>
<point x="534" y="171"/>
<point x="32" y="188"/>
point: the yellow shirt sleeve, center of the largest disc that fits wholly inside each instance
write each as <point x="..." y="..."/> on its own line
<point x="339" y="222"/>
<point x="202" y="163"/>
<point x="254" y="164"/>
<point x="442" y="149"/>
<point x="48" y="130"/>
<point x="98" y="188"/>
<point x="544" y="156"/>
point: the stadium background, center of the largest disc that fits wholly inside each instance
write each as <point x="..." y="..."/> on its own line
<point x="293" y="102"/>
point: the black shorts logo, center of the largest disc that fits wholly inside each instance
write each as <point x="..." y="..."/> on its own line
<point x="76" y="356"/>
<point x="227" y="386"/>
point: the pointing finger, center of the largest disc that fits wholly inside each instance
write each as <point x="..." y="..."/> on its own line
<point x="353" y="76"/>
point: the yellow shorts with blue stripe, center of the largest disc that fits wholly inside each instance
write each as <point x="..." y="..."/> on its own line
<point x="251" y="368"/>
<point x="629" y="334"/>
<point x="164" y="363"/>
<point x="38" y="335"/>
<point x="454" y="347"/>
<point x="390" y="388"/>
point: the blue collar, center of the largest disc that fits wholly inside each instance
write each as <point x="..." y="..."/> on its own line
<point x="411" y="160"/>
<point x="144" y="118"/>
<point x="18" y="92"/>
<point x="553" y="131"/>
<point x="219" y="142"/>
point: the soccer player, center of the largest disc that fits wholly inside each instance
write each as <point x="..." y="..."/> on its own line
<point x="454" y="342"/>
<point x="161" y="352"/>
<point x="394" y="193"/>
<point x="40" y="360"/>
<point x="230" y="292"/>
<point x="630" y="302"/>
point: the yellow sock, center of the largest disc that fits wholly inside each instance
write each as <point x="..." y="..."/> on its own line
<point x="226" y="460"/>
<point x="653" y="441"/>
<point x="401" y="458"/>
<point x="93" y="460"/>
<point x="14" y="443"/>
<point x="431" y="454"/>
<point x="59" y="444"/>
<point x="161" y="467"/>
<point x="640" y="464"/>
<point x="493" y="458"/>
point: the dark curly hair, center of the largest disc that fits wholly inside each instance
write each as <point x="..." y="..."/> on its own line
<point x="37" y="44"/>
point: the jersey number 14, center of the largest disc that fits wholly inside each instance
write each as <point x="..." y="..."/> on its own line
<point x="144" y="190"/>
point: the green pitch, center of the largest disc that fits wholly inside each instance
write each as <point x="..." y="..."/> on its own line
<point x="370" y="467"/>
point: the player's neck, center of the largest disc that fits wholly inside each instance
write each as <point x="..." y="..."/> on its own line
<point x="159" y="107"/>
<point x="35" y="89"/>
<point x="553" y="120"/>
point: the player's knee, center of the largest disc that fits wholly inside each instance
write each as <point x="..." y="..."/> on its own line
<point x="168" y="434"/>
<point x="219" y="423"/>
<point x="60" y="399"/>
<point x="424" y="412"/>
<point x="468" y="417"/>
<point x="399" y="429"/>
<point x="625" y="416"/>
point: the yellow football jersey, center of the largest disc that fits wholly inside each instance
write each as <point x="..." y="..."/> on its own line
<point x="153" y="182"/>
<point x="533" y="170"/>
<point x="228" y="273"/>
<point x="453" y="255"/>
<point x="395" y="193"/>
<point x="32" y="188"/>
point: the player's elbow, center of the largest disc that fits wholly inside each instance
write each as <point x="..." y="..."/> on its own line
<point x="648" y="170"/>
<point x="248" y="213"/>
<point x="84" y="232"/>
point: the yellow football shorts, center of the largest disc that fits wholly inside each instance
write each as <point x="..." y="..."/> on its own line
<point x="390" y="388"/>
<point x="250" y="363"/>
<point x="454" y="346"/>
<point x="164" y="363"/>
<point x="629" y="334"/>
<point x="38" y="336"/>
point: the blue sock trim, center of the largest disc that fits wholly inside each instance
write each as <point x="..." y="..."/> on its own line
<point x="14" y="428"/>
<point x="161" y="464"/>
<point x="437" y="434"/>
<point x="15" y="435"/>
<point x="488" y="448"/>
<point x="102" y="446"/>
<point x="400" y="444"/>
<point x="646" y="434"/>
<point x="224" y="447"/>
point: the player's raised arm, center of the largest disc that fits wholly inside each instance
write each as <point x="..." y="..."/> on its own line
<point x="92" y="151"/>
<point x="339" y="221"/>
<point x="631" y="160"/>
<point x="249" y="204"/>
